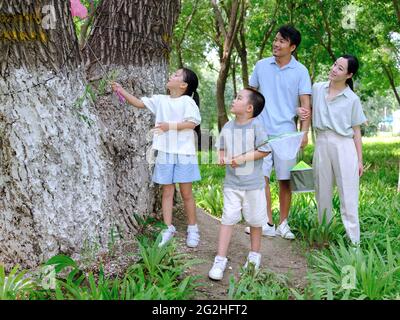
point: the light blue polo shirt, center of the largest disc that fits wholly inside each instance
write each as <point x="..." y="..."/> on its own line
<point x="281" y="88"/>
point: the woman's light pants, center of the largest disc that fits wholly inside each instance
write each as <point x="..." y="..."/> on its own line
<point x="335" y="160"/>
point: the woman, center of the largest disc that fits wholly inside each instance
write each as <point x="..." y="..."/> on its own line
<point x="337" y="116"/>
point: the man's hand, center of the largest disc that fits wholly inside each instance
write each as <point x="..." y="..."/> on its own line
<point x="303" y="113"/>
<point x="304" y="142"/>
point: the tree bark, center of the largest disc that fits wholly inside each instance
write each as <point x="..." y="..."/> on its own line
<point x="70" y="172"/>
<point x="52" y="173"/>
<point x="234" y="65"/>
<point x="397" y="9"/>
<point x="242" y="52"/>
<point x="390" y="77"/>
<point x="132" y="39"/>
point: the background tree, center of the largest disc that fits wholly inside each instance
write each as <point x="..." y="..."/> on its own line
<point x="226" y="33"/>
<point x="329" y="29"/>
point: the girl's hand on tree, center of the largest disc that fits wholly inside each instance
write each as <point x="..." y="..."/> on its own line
<point x="116" y="87"/>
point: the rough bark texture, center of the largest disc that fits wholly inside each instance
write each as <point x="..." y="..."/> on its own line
<point x="70" y="171"/>
<point x="52" y="179"/>
<point x="132" y="39"/>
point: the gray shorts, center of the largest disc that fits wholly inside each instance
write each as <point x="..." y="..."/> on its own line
<point x="282" y="167"/>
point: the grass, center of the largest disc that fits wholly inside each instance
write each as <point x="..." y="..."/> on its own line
<point x="159" y="274"/>
<point x="337" y="270"/>
<point x="259" y="285"/>
<point x="374" y="266"/>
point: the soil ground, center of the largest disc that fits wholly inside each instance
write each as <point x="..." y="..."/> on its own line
<point x="279" y="255"/>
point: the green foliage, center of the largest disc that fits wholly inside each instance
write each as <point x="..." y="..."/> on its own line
<point x="14" y="285"/>
<point x="146" y="228"/>
<point x="259" y="285"/>
<point x="346" y="272"/>
<point x="304" y="220"/>
<point x="160" y="274"/>
<point x="325" y="36"/>
<point x="211" y="199"/>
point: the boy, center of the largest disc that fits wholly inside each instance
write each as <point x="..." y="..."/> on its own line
<point x="244" y="182"/>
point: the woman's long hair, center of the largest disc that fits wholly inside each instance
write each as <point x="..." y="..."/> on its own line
<point x="352" y="67"/>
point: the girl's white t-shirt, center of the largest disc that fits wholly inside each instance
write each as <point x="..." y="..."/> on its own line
<point x="167" y="109"/>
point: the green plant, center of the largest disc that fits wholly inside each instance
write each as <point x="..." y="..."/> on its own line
<point x="145" y="227"/>
<point x="304" y="221"/>
<point x="345" y="272"/>
<point x="259" y="285"/>
<point x="15" y="285"/>
<point x="211" y="199"/>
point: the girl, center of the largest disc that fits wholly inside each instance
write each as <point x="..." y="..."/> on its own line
<point x="177" y="115"/>
<point x="337" y="116"/>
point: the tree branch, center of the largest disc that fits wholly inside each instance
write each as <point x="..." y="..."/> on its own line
<point x="269" y="30"/>
<point x="328" y="30"/>
<point x="85" y="27"/>
<point x="397" y="9"/>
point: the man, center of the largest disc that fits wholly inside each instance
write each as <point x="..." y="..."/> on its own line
<point x="284" y="82"/>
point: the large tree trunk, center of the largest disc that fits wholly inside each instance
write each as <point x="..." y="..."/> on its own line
<point x="52" y="174"/>
<point x="69" y="172"/>
<point x="131" y="38"/>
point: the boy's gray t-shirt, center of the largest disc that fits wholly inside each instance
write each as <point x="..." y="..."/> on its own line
<point x="236" y="139"/>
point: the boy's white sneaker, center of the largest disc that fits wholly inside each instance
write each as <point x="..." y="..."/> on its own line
<point x="193" y="236"/>
<point x="166" y="235"/>
<point x="283" y="230"/>
<point x="267" y="230"/>
<point x="218" y="268"/>
<point x="253" y="258"/>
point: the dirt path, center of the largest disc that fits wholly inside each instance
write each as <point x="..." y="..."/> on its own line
<point x="278" y="255"/>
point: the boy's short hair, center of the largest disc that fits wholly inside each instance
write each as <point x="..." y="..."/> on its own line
<point x="292" y="34"/>
<point x="257" y="100"/>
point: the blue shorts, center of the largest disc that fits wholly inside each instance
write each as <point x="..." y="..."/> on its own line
<point x="173" y="168"/>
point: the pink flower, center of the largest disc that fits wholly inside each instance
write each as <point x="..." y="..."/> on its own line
<point x="78" y="9"/>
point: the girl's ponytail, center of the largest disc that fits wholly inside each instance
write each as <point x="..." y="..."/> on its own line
<point x="193" y="82"/>
<point x="196" y="98"/>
